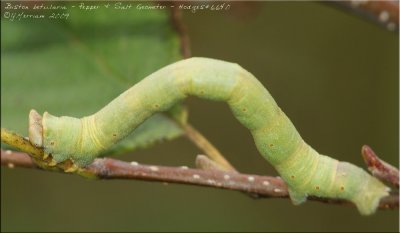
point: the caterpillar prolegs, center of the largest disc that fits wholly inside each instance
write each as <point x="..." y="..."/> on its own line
<point x="305" y="171"/>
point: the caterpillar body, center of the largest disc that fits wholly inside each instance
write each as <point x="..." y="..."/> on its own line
<point x="305" y="170"/>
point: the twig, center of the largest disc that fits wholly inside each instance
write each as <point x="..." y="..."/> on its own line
<point x="384" y="12"/>
<point x="204" y="163"/>
<point x="37" y="154"/>
<point x="21" y="143"/>
<point x="265" y="186"/>
<point x="176" y="20"/>
<point x="379" y="168"/>
<point x="201" y="142"/>
<point x="107" y="168"/>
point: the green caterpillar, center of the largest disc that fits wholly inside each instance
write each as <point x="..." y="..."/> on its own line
<point x="305" y="171"/>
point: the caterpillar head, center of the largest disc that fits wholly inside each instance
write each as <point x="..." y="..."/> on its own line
<point x="35" y="128"/>
<point x="36" y="137"/>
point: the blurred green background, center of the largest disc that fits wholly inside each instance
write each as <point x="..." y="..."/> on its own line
<point x="336" y="77"/>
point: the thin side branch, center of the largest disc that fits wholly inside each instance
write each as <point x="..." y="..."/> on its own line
<point x="384" y="12"/>
<point x="177" y="22"/>
<point x="21" y="143"/>
<point x="380" y="168"/>
<point x="201" y="142"/>
<point x="37" y="154"/>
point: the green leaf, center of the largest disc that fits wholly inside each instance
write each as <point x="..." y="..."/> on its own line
<point x="77" y="66"/>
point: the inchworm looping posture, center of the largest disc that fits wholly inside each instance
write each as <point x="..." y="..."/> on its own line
<point x="305" y="170"/>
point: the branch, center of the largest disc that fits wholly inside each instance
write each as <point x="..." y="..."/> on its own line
<point x="106" y="168"/>
<point x="384" y="12"/>
<point x="213" y="153"/>
<point x="380" y="168"/>
<point x="179" y="26"/>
